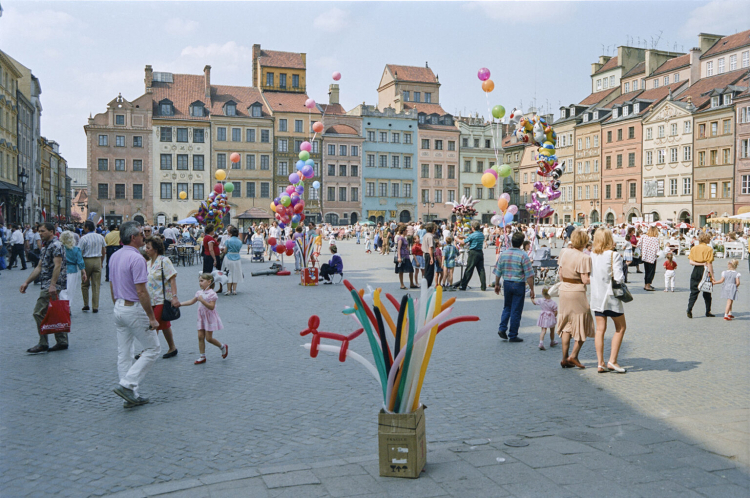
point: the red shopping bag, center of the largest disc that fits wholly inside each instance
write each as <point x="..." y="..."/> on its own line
<point x="57" y="318"/>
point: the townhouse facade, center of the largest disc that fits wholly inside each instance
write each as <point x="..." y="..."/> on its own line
<point x="564" y="205"/>
<point x="513" y="151"/>
<point x="54" y="182"/>
<point x="742" y="163"/>
<point x="480" y="149"/>
<point x="11" y="191"/>
<point x="527" y="169"/>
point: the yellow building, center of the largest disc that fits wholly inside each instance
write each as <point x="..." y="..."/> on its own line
<point x="278" y="71"/>
<point x="11" y="195"/>
<point x="54" y="187"/>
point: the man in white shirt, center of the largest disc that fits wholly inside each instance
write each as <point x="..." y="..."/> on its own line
<point x="274" y="232"/>
<point x="94" y="250"/>
<point x="16" y="243"/>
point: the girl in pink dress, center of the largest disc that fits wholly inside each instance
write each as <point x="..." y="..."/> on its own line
<point x="208" y="318"/>
<point x="547" y="318"/>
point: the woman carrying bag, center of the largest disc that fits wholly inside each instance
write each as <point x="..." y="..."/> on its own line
<point x="162" y="290"/>
<point x="606" y="275"/>
<point x="649" y="245"/>
<point x="702" y="259"/>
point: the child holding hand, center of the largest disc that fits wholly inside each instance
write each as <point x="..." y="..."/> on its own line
<point x="208" y="319"/>
<point x="731" y="280"/>
<point x="547" y="318"/>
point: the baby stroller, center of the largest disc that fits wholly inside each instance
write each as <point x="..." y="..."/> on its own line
<point x="258" y="250"/>
<point x="545" y="268"/>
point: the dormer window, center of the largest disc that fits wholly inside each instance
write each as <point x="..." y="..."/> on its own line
<point x="434" y="120"/>
<point x="585" y="118"/>
<point x="562" y="114"/>
<point x="421" y="119"/>
<point x="166" y="108"/>
<point x="596" y="114"/>
<point x="230" y="109"/>
<point x="624" y="111"/>
<point x="637" y="108"/>
<point x="197" y="110"/>
<point x="614" y="113"/>
<point x="728" y="99"/>
<point x="256" y="110"/>
<point x="715" y="101"/>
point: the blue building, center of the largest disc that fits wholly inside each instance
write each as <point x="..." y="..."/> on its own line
<point x="389" y="157"/>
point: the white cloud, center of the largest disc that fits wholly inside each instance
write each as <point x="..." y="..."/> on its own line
<point x="530" y="13"/>
<point x="332" y="21"/>
<point x="724" y="17"/>
<point x="179" y="27"/>
<point x="47" y="25"/>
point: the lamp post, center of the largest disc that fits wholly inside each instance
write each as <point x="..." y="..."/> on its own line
<point x="428" y="205"/>
<point x="24" y="178"/>
<point x="59" y="201"/>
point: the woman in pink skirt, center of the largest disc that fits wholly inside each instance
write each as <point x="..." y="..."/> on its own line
<point x="547" y="318"/>
<point x="208" y="319"/>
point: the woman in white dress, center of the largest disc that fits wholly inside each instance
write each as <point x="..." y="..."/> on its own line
<point x="74" y="266"/>
<point x="606" y="264"/>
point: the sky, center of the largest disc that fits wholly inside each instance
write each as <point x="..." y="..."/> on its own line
<point x="85" y="53"/>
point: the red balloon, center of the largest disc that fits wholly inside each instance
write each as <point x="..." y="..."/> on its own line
<point x="298" y="208"/>
<point x="280" y="249"/>
<point x="271" y="241"/>
<point x="289" y="252"/>
<point x="301" y="217"/>
<point x="234" y="157"/>
<point x="218" y="188"/>
<point x="317" y="127"/>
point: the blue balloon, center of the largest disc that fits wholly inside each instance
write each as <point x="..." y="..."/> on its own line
<point x="508" y="218"/>
<point x="295" y="218"/>
<point x="316" y="184"/>
<point x="310" y="162"/>
<point x="282" y="225"/>
<point x="300" y="190"/>
<point x="300" y="164"/>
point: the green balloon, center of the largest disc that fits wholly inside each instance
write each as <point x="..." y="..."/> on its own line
<point x="498" y="111"/>
<point x="229" y="187"/>
<point x="496" y="168"/>
<point x="304" y="155"/>
<point x="505" y="170"/>
<point x="286" y="200"/>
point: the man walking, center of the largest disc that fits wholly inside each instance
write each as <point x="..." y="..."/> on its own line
<point x="54" y="278"/>
<point x="93" y="249"/>
<point x="134" y="317"/>
<point x="474" y="243"/>
<point x="428" y="248"/>
<point x="514" y="267"/>
<point x="112" y="240"/>
<point x="16" y="243"/>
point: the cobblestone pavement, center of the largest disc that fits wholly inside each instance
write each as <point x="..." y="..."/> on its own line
<point x="271" y="421"/>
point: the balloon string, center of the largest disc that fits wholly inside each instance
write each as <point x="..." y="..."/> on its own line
<point x="492" y="126"/>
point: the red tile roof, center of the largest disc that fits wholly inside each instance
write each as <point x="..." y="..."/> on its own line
<point x="243" y="96"/>
<point x="610" y="64"/>
<point x="288" y="102"/>
<point x="425" y="108"/>
<point x="183" y="91"/>
<point x="672" y="64"/>
<point x="597" y="97"/>
<point x="412" y="73"/>
<point x="698" y="92"/>
<point x="341" y="129"/>
<point x="332" y="109"/>
<point x="623" y="98"/>
<point x="657" y="94"/>
<point x="731" y="42"/>
<point x="639" y="68"/>
<point x="274" y="58"/>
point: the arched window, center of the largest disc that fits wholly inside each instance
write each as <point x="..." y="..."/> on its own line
<point x="354" y="218"/>
<point x="594" y="216"/>
<point x="332" y="218"/>
<point x="380" y="220"/>
<point x="138" y="218"/>
<point x="610" y="219"/>
<point x="655" y="216"/>
<point x="405" y="216"/>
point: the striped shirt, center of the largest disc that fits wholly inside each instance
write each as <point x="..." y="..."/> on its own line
<point x="91" y="245"/>
<point x="513" y="265"/>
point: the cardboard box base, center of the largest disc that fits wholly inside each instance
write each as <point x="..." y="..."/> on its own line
<point x="309" y="276"/>
<point x="402" y="444"/>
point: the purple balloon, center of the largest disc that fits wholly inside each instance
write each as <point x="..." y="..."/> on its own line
<point x="483" y="74"/>
<point x="539" y="186"/>
<point x="282" y="225"/>
<point x="308" y="171"/>
<point x="300" y="189"/>
<point x="277" y="201"/>
<point x="294" y="177"/>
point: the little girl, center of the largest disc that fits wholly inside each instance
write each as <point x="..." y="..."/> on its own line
<point x="418" y="255"/>
<point x="208" y="318"/>
<point x="367" y="242"/>
<point x="669" y="265"/>
<point x="731" y="280"/>
<point x="547" y="318"/>
<point x="449" y="262"/>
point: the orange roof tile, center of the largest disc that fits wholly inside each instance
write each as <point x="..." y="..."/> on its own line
<point x="597" y="97"/>
<point x="672" y="64"/>
<point x="412" y="73"/>
<point x="341" y="129"/>
<point x="639" y="68"/>
<point x="425" y="108"/>
<point x="274" y="58"/>
<point x="183" y="91"/>
<point x="243" y="96"/>
<point x="656" y="94"/>
<point x="623" y="98"/>
<point x="698" y="92"/>
<point x="731" y="42"/>
<point x="288" y="102"/>
<point x="610" y="64"/>
<point x="332" y="109"/>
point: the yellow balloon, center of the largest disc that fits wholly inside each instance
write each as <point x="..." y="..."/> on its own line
<point x="183" y="195"/>
<point x="488" y="180"/>
<point x="273" y="207"/>
<point x="220" y="174"/>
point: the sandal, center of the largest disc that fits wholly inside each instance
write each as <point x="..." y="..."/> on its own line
<point x="602" y="369"/>
<point x="566" y="364"/>
<point x="619" y="370"/>
<point x="402" y="287"/>
<point x="576" y="363"/>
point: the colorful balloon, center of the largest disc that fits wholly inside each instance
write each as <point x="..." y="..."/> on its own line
<point x="183" y="195"/>
<point x="483" y="74"/>
<point x="220" y="175"/>
<point x="234" y="157"/>
<point x="308" y="171"/>
<point x="498" y="111"/>
<point x="316" y="184"/>
<point x="488" y="180"/>
<point x="300" y="164"/>
<point x="513" y="209"/>
<point x="491" y="172"/>
<point x="336" y="76"/>
<point x="272" y="241"/>
<point x="218" y="188"/>
<point x="488" y="86"/>
<point x="505" y="170"/>
<point x="310" y="104"/>
<point x="306" y="146"/>
<point x="293" y="178"/>
<point x="229" y="187"/>
<point x="502" y="204"/>
<point x="318" y="127"/>
<point x="505" y="196"/>
<point x="304" y="155"/>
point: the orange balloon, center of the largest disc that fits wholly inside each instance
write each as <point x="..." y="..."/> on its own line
<point x="488" y="86"/>
<point x="502" y="204"/>
<point x="234" y="157"/>
<point x="317" y="127"/>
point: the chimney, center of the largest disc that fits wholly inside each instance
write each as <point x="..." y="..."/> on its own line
<point x="256" y="69"/>
<point x="707" y="41"/>
<point x="695" y="65"/>
<point x="426" y="65"/>
<point x="304" y="59"/>
<point x="207" y="75"/>
<point x="333" y="93"/>
<point x="149" y="78"/>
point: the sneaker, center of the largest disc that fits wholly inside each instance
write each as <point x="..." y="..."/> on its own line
<point x="727" y="318"/>
<point x="552" y="344"/>
<point x="200" y="360"/>
<point x="38" y="349"/>
<point x="541" y="345"/>
<point x="502" y="335"/>
<point x="126" y="394"/>
<point x="224" y="350"/>
<point x="138" y="401"/>
<point x="515" y="339"/>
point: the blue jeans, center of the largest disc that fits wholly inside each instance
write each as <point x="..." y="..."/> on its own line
<point x="515" y="293"/>
<point x="358" y="234"/>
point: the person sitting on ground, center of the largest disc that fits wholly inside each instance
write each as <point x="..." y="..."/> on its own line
<point x="335" y="265"/>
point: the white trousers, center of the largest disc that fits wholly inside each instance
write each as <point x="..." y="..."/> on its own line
<point x="131" y="323"/>
<point x="70" y="292"/>
<point x="669" y="279"/>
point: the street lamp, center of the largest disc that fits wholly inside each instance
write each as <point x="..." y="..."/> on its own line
<point x="59" y="201"/>
<point x="428" y="205"/>
<point x="24" y="178"/>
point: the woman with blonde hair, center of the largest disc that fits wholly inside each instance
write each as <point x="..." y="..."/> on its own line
<point x="75" y="267"/>
<point x="574" y="318"/>
<point x="702" y="258"/>
<point x="606" y="266"/>
<point x="649" y="245"/>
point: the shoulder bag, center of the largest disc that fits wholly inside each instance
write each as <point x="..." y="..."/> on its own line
<point x="168" y="312"/>
<point x="706" y="285"/>
<point x="621" y="290"/>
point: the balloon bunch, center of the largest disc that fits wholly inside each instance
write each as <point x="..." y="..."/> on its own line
<point x="463" y="210"/>
<point x="401" y="362"/>
<point x="507" y="211"/>
<point x="281" y="248"/>
<point x="215" y="207"/>
<point x="290" y="205"/>
<point x="538" y="132"/>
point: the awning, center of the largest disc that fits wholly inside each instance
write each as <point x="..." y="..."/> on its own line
<point x="255" y="214"/>
<point x="9" y="188"/>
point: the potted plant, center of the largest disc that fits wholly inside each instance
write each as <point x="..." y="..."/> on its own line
<point x="719" y="251"/>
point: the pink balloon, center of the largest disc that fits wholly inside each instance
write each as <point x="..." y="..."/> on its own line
<point x="306" y="146"/>
<point x="483" y="74"/>
<point x="218" y="188"/>
<point x="290" y="189"/>
<point x="336" y="76"/>
<point x="513" y="209"/>
<point x="492" y="172"/>
<point x="310" y="103"/>
<point x="505" y="196"/>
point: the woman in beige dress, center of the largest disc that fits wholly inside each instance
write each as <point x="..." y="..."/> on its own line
<point x="574" y="318"/>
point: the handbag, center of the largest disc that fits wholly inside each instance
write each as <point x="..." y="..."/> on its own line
<point x="168" y="312"/>
<point x="57" y="319"/>
<point x="706" y="285"/>
<point x="621" y="290"/>
<point x="554" y="291"/>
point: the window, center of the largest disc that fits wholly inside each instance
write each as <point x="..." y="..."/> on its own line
<point x="525" y="178"/>
<point x="661" y="155"/>
<point x="221" y="161"/>
<point x="427" y="97"/>
<point x="480" y="166"/>
<point x="676" y="77"/>
<point x="383" y="189"/>
<point x="354" y="170"/>
<point x="660" y="132"/>
<point x="425" y="171"/>
<point x="331" y="150"/>
<point x="103" y="139"/>
<point x="407" y="162"/>
<point x="587" y="167"/>
<point x="331" y="170"/>
<point x="120" y="119"/>
<point x="198" y="136"/>
<point x="250" y="135"/>
<point x="370" y="160"/>
<point x="370" y="189"/>
<point x="713" y="190"/>
<point x="480" y="192"/>
<point x="166" y="190"/>
<point x="579" y="192"/>
<point x="608" y="191"/>
<point x="405" y="95"/>
<point x="119" y="141"/>
<point x="596" y="140"/>
<point x="615" y="112"/>
<point x="283" y="145"/>
<point x="137" y="165"/>
<point x="103" y="191"/>
<point x="588" y="142"/>
<point x="467" y="166"/>
<point x="687" y="126"/>
<point x="626" y="89"/>
<point x="182" y="134"/>
<point x="182" y="187"/>
<point x="701" y="158"/>
<point x="649" y="157"/>
<point x="451" y="145"/>
<point x="666" y="80"/>
<point x="265" y="136"/>
<point x="673" y="129"/>
<point x="673" y="154"/>
<point x="265" y="190"/>
<point x="619" y="160"/>
<point x="580" y="144"/>
<point x="395" y="137"/>
<point x="165" y="161"/>
<point x="250" y="189"/>
<point x="721" y="65"/>
<point x="137" y="191"/>
<point x="282" y="80"/>
<point x="355" y="194"/>
<point x="438" y="171"/>
<point x="370" y="136"/>
<point x="687" y="186"/>
<point x="713" y="157"/>
<point x="342" y="194"/>
<point x="612" y="80"/>
<point x="487" y="144"/>
<point x="596" y="191"/>
<point x="439" y="196"/>
<point x="383" y="161"/>
<point x="182" y="161"/>
<point x="649" y="133"/>
<point x="342" y="150"/>
<point x="331" y="194"/>
<point x="342" y="170"/>
<point x="701" y="131"/>
<point x="282" y="168"/>
<point x="656" y="83"/>
<point x="728" y="99"/>
<point x="256" y="111"/>
<point x="609" y="136"/>
<point x="407" y="138"/>
<point x="715" y="101"/>
<point x="417" y="97"/>
<point x="384" y="136"/>
<point x="726" y="156"/>
<point x="635" y="86"/>
<point x="425" y="143"/>
<point x="103" y="164"/>
<point x="395" y="190"/>
<point x="138" y="142"/>
<point x="236" y="135"/>
<point x="354" y="150"/>
<point x="283" y="125"/>
<point x="588" y="192"/>
<point x="619" y="134"/>
<point x="598" y="85"/>
<point x="726" y="190"/>
<point x="701" y="191"/>
<point x="727" y="126"/>
<point x="438" y="145"/>
<point x="631" y="160"/>
<point x="744" y="149"/>
<point x="119" y="164"/>
<point x="395" y="161"/>
<point x="198" y="162"/>
<point x="618" y="189"/>
<point x="710" y="68"/>
<point x="298" y="126"/>
<point x="269" y="79"/>
<point x="250" y="161"/>
<point x="580" y="168"/>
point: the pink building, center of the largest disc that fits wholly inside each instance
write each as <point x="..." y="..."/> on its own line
<point x="742" y="164"/>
